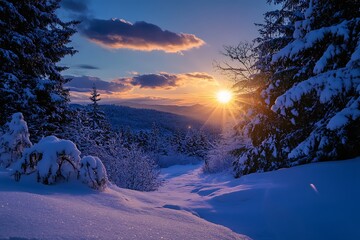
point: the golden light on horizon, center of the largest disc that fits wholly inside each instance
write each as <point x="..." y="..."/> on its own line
<point x="224" y="96"/>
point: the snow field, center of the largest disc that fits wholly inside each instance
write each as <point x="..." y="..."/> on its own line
<point x="314" y="201"/>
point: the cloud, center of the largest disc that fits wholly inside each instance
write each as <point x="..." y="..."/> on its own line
<point x="165" y="80"/>
<point x="200" y="75"/>
<point x="86" y="66"/>
<point x="143" y="36"/>
<point x="162" y="80"/>
<point x="78" y="6"/>
<point x="159" y="81"/>
<point x="85" y="84"/>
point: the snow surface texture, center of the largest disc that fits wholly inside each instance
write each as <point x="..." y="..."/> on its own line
<point x="315" y="201"/>
<point x="14" y="140"/>
<point x="73" y="211"/>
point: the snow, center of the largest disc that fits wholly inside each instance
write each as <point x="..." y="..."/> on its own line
<point x="323" y="61"/>
<point x="294" y="112"/>
<point x="56" y="97"/>
<point x="314" y="201"/>
<point x="266" y="93"/>
<point x="14" y="140"/>
<point x="73" y="211"/>
<point x="305" y="147"/>
<point x="345" y="115"/>
<point x="355" y="57"/>
<point x="53" y="156"/>
<point x="93" y="172"/>
<point x="309" y="10"/>
<point x="308" y="41"/>
<point x="326" y="85"/>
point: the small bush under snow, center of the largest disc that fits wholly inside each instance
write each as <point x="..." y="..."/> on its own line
<point x="134" y="169"/>
<point x="218" y="161"/>
<point x="14" y="140"/>
<point x="92" y="172"/>
<point x="223" y="154"/>
<point x="52" y="159"/>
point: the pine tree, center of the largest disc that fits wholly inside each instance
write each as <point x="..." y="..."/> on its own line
<point x="322" y="101"/>
<point x="263" y="130"/>
<point x="154" y="139"/>
<point x="177" y="141"/>
<point x="32" y="41"/>
<point x="97" y="117"/>
<point x="196" y="143"/>
<point x="309" y="107"/>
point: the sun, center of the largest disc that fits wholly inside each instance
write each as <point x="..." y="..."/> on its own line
<point x="224" y="96"/>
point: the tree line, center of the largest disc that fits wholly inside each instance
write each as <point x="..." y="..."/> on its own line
<point x="297" y="84"/>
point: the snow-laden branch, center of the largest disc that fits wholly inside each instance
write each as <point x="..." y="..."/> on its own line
<point x="308" y="41"/>
<point x="326" y="86"/>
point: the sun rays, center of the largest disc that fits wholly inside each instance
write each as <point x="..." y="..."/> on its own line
<point x="224" y="96"/>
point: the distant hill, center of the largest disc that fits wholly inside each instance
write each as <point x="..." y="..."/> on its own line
<point x="142" y="119"/>
<point x="197" y="112"/>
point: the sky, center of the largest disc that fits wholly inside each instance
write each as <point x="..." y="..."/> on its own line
<point x="155" y="52"/>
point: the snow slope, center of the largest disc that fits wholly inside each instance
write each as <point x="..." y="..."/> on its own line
<point x="314" y="201"/>
<point x="73" y="211"/>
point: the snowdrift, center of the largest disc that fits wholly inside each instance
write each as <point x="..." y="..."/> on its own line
<point x="313" y="201"/>
<point x="73" y="211"/>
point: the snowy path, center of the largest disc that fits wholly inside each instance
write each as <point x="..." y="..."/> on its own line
<point x="316" y="201"/>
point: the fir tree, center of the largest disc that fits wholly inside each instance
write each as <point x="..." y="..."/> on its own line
<point x="323" y="103"/>
<point x="177" y="141"/>
<point x="33" y="40"/>
<point x="309" y="107"/>
<point x="196" y="143"/>
<point x="14" y="140"/>
<point x="154" y="139"/>
<point x="96" y="116"/>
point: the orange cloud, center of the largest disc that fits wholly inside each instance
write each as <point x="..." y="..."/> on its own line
<point x="164" y="80"/>
<point x="162" y="87"/>
<point x="143" y="36"/>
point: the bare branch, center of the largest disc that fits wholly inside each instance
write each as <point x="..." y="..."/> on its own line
<point x="241" y="66"/>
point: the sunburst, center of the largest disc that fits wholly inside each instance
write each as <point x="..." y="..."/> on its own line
<point x="224" y="96"/>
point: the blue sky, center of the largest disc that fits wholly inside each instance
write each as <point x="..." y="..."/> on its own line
<point x="173" y="43"/>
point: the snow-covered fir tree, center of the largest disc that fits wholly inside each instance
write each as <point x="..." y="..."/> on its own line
<point x="154" y="138"/>
<point x="92" y="172"/>
<point x="196" y="143"/>
<point x="323" y="105"/>
<point x="32" y="42"/>
<point x="96" y="116"/>
<point x="52" y="159"/>
<point x="309" y="107"/>
<point x="14" y="140"/>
